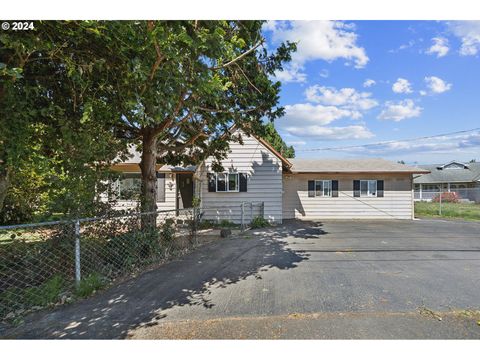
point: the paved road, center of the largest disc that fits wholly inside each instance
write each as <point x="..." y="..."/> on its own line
<point x="332" y="279"/>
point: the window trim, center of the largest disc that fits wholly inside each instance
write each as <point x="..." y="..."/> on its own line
<point x="227" y="182"/>
<point x="323" y="188"/>
<point x="369" y="194"/>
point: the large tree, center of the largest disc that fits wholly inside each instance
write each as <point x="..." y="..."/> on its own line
<point x="273" y="137"/>
<point x="186" y="83"/>
<point x="174" y="88"/>
<point x="56" y="116"/>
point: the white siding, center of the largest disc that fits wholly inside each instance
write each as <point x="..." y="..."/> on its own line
<point x="264" y="183"/>
<point x="397" y="201"/>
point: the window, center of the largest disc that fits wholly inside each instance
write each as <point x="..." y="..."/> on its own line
<point x="323" y="187"/>
<point x="128" y="187"/>
<point x="160" y="187"/>
<point x="227" y="182"/>
<point x="368" y="187"/>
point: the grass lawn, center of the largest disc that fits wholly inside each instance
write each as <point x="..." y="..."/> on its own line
<point x="449" y="210"/>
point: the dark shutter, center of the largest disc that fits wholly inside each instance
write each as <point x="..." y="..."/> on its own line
<point x="334" y="188"/>
<point x="356" y="188"/>
<point x="311" y="188"/>
<point x="243" y="182"/>
<point x="160" y="187"/>
<point x="380" y="189"/>
<point x="212" y="182"/>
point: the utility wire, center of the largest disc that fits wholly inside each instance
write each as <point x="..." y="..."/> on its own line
<point x="388" y="142"/>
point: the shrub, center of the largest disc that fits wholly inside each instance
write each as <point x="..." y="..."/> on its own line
<point x="206" y="224"/>
<point x="226" y="224"/>
<point x="448" y="197"/>
<point x="168" y="231"/>
<point x="259" y="222"/>
<point x="89" y="285"/>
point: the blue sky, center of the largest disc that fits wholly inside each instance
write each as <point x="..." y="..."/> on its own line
<point x="363" y="82"/>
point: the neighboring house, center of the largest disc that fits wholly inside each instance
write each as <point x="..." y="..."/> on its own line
<point x="288" y="188"/>
<point x="454" y="176"/>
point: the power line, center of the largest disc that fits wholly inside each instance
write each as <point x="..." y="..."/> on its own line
<point x="388" y="142"/>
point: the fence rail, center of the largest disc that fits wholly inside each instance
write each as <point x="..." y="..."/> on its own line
<point x="462" y="194"/>
<point x="56" y="262"/>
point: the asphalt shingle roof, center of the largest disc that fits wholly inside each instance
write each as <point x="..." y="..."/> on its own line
<point x="351" y="166"/>
<point x="449" y="175"/>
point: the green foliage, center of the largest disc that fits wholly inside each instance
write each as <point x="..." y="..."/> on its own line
<point x="167" y="233"/>
<point x="227" y="224"/>
<point x="77" y="93"/>
<point x="271" y="135"/>
<point x="89" y="285"/>
<point x="259" y="222"/>
<point x="48" y="293"/>
<point x="206" y="224"/>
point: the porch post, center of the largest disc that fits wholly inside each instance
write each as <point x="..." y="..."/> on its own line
<point x="421" y="186"/>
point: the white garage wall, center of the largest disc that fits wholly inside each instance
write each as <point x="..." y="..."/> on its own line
<point x="397" y="201"/>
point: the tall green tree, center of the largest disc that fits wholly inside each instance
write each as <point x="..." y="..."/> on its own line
<point x="273" y="137"/>
<point x="56" y="116"/>
<point x="185" y="83"/>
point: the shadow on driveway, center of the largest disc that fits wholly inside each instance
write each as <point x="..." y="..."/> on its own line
<point x="187" y="281"/>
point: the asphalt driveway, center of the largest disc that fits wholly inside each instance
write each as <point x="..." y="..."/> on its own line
<point x="315" y="279"/>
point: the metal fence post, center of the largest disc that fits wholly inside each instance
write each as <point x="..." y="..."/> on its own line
<point x="78" y="275"/>
<point x="440" y="204"/>
<point x="242" y="208"/>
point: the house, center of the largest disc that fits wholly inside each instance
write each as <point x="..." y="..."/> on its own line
<point x="464" y="179"/>
<point x="287" y="188"/>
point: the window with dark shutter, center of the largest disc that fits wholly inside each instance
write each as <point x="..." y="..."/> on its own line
<point x="311" y="188"/>
<point x="334" y="188"/>
<point x="160" y="187"/>
<point x="356" y="188"/>
<point x="243" y="182"/>
<point x="212" y="182"/>
<point x="380" y="188"/>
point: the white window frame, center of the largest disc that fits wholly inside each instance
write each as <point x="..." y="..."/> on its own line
<point x="227" y="182"/>
<point x="323" y="188"/>
<point x="369" y="191"/>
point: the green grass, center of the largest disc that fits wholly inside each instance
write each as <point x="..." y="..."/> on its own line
<point x="89" y="285"/>
<point x="464" y="211"/>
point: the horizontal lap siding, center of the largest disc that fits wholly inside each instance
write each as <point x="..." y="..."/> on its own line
<point x="264" y="184"/>
<point x="396" y="203"/>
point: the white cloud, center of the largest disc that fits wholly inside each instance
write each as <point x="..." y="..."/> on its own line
<point x="402" y="86"/>
<point x="291" y="73"/>
<point x="469" y="34"/>
<point x="400" y="110"/>
<point x="332" y="133"/>
<point x="437" y="85"/>
<point x="368" y="83"/>
<point x="439" y="47"/>
<point x="324" y="73"/>
<point x="319" y="40"/>
<point x="302" y="114"/>
<point x="463" y="143"/>
<point x="347" y="98"/>
<point x="423" y="92"/>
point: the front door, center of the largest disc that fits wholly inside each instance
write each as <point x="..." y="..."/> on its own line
<point x="184" y="191"/>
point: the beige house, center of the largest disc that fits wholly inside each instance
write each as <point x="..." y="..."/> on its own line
<point x="287" y="188"/>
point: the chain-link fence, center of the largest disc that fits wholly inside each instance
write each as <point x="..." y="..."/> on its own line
<point x="460" y="194"/>
<point x="55" y="262"/>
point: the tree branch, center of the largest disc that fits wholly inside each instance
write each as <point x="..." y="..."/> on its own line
<point x="239" y="57"/>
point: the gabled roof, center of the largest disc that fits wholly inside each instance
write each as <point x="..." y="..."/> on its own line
<point x="441" y="174"/>
<point x="352" y="166"/>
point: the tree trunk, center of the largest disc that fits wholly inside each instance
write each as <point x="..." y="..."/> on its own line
<point x="4" y="183"/>
<point x="149" y="178"/>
